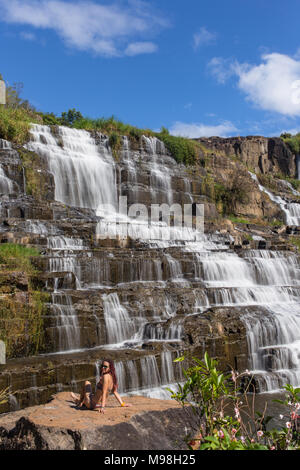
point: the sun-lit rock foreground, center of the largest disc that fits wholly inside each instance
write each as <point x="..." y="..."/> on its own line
<point x="149" y="424"/>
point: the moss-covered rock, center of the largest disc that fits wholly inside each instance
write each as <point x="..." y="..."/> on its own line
<point x="39" y="180"/>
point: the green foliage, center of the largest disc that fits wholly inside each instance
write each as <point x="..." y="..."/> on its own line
<point x="15" y="124"/>
<point x="16" y="116"/>
<point x="115" y="143"/>
<point x="293" y="141"/>
<point x="50" y="119"/>
<point x="209" y="393"/>
<point x="15" y="256"/>
<point x="182" y="149"/>
<point x="295" y="241"/>
<point x="276" y="223"/>
<point x="238" y="220"/>
<point x="164" y="131"/>
<point x="22" y="324"/>
<point x="71" y="118"/>
<point x="21" y="318"/>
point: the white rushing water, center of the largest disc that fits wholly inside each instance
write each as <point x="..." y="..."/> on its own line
<point x="6" y="184"/>
<point x="84" y="173"/>
<point x="149" y="376"/>
<point x="267" y="281"/>
<point x="291" y="210"/>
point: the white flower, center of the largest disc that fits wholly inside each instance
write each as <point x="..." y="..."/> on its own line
<point x="281" y="416"/>
<point x="260" y="433"/>
<point x="288" y="425"/>
<point x="237" y="412"/>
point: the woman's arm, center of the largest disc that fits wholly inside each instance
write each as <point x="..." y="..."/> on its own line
<point x="104" y="394"/>
<point x="120" y="400"/>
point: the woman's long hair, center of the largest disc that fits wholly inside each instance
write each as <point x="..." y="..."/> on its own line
<point x="112" y="371"/>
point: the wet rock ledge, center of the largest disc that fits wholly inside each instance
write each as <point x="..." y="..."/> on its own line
<point x="149" y="424"/>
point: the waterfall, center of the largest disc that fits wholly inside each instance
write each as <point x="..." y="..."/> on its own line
<point x="119" y="326"/>
<point x="291" y="210"/>
<point x="6" y="184"/>
<point x="168" y="265"/>
<point x="66" y="325"/>
<point x="84" y="173"/>
<point x="5" y="145"/>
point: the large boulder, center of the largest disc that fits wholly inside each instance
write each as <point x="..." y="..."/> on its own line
<point x="149" y="424"/>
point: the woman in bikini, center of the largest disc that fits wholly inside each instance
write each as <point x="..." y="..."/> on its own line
<point x="107" y="384"/>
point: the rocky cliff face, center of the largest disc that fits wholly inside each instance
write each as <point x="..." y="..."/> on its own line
<point x="140" y="299"/>
<point x="261" y="154"/>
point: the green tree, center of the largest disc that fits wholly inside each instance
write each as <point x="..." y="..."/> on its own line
<point x="71" y="117"/>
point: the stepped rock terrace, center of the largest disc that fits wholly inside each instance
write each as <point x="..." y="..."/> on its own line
<point x="142" y="300"/>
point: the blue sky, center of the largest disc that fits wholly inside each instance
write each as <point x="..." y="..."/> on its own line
<point x="198" y="67"/>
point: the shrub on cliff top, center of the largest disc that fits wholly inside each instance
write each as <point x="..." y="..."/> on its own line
<point x="182" y="149"/>
<point x="15" y="124"/>
<point x="293" y="141"/>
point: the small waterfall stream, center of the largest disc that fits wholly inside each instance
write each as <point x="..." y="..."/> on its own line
<point x="290" y="209"/>
<point x="6" y="184"/>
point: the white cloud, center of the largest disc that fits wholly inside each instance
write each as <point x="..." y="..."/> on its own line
<point x="136" y="48"/>
<point x="203" y="38"/>
<point x="27" y="36"/>
<point x="221" y="69"/>
<point x="106" y="30"/>
<point x="194" y="130"/>
<point x="273" y="85"/>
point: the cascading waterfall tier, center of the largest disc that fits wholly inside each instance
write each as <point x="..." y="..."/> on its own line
<point x="290" y="209"/>
<point x="87" y="176"/>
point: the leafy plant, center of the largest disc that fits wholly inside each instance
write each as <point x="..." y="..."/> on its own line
<point x="115" y="143"/>
<point x="182" y="149"/>
<point x="293" y="141"/>
<point x="209" y="393"/>
<point x="15" y="124"/>
<point x="71" y="118"/>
